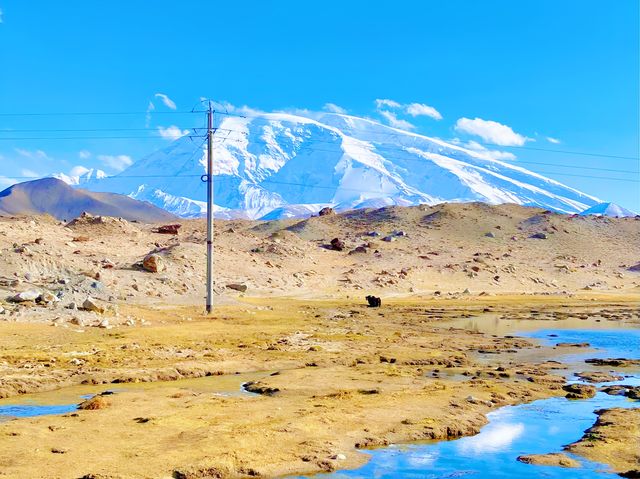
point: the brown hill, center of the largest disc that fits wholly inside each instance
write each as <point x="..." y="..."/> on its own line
<point x="56" y="198"/>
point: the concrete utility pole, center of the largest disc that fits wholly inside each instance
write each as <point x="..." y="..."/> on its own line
<point x="209" y="209"/>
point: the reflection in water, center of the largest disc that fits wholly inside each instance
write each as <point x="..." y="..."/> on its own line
<point x="537" y="428"/>
<point x="496" y="437"/>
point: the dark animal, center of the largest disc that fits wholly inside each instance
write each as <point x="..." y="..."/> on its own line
<point x="374" y="301"/>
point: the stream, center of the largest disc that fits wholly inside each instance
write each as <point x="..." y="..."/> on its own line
<point x="539" y="427"/>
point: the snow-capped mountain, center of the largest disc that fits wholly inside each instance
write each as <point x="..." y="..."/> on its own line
<point x="80" y="175"/>
<point x="283" y="165"/>
<point x="608" y="209"/>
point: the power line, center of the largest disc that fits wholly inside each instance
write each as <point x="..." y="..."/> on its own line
<point x="396" y="134"/>
<point x="257" y="117"/>
<point x="98" y="113"/>
<point x="314" y="186"/>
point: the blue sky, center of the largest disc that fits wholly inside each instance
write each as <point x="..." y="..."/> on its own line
<point x="496" y="71"/>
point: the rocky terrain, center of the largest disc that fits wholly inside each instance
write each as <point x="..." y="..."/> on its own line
<point x="102" y="304"/>
<point x="614" y="439"/>
<point x="440" y="251"/>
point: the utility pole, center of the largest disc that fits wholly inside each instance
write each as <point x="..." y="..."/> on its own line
<point x="209" y="209"/>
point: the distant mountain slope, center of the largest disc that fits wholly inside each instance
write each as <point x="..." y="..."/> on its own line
<point x="55" y="197"/>
<point x="608" y="209"/>
<point x="282" y="162"/>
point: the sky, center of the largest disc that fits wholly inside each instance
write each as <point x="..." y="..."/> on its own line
<point x="519" y="78"/>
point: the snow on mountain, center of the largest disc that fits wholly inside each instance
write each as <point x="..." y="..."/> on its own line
<point x="281" y="165"/>
<point x="608" y="209"/>
<point x="80" y="175"/>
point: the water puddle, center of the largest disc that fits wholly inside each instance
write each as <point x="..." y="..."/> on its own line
<point x="65" y="400"/>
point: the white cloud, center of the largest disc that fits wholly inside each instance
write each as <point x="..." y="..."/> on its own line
<point x="396" y="122"/>
<point x="491" y="131"/>
<point x="381" y="103"/>
<point x="168" y="102"/>
<point x="29" y="173"/>
<point x="147" y="118"/>
<point x="84" y="154"/>
<point x="333" y="108"/>
<point x="33" y="154"/>
<point x="116" y="162"/>
<point x="555" y="141"/>
<point x="487" y="153"/>
<point x="172" y="132"/>
<point x="1" y="20"/>
<point x="420" y="109"/>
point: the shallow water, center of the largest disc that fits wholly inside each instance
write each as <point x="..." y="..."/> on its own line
<point x="65" y="400"/>
<point x="540" y="427"/>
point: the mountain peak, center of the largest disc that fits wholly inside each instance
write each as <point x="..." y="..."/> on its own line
<point x="608" y="209"/>
<point x="285" y="162"/>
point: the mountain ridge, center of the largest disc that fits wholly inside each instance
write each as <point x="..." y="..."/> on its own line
<point x="55" y="197"/>
<point x="287" y="162"/>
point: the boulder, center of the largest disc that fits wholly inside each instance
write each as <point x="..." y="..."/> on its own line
<point x="29" y="295"/>
<point x="90" y="304"/>
<point x="358" y="249"/>
<point x="168" y="229"/>
<point x="326" y="211"/>
<point x="389" y="239"/>
<point x="48" y="297"/>
<point x="490" y="234"/>
<point x="579" y="391"/>
<point x="238" y="287"/>
<point x="154" y="263"/>
<point x="538" y="236"/>
<point x="337" y="244"/>
<point x="552" y="459"/>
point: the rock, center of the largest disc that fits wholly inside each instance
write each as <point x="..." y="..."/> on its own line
<point x="358" y="250"/>
<point x="373" y="234"/>
<point x="598" y="377"/>
<point x="29" y="295"/>
<point x="490" y="234"/>
<point x="339" y="457"/>
<point x="553" y="459"/>
<point x="72" y="306"/>
<point x="399" y="233"/>
<point x="154" y="263"/>
<point x="238" y="287"/>
<point x="326" y="211"/>
<point x="615" y="362"/>
<point x="337" y="244"/>
<point x="579" y="391"/>
<point x="573" y="345"/>
<point x="2" y="310"/>
<point x="48" y="297"/>
<point x="632" y="392"/>
<point x="168" y="229"/>
<point x="466" y="291"/>
<point x="96" y="402"/>
<point x="77" y="321"/>
<point x="104" y="324"/>
<point x="538" y="236"/>
<point x="90" y="304"/>
<point x="389" y="239"/>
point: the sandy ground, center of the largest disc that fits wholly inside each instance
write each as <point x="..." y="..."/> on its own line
<point x="332" y="375"/>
